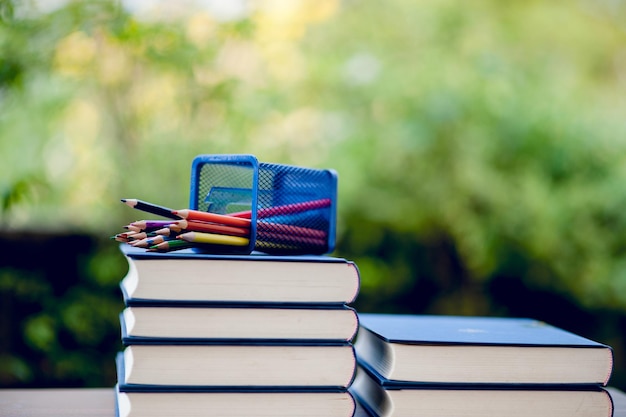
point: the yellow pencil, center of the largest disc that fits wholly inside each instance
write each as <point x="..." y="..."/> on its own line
<point x="215" y="239"/>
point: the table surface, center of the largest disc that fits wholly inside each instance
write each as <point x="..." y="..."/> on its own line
<point x="100" y="402"/>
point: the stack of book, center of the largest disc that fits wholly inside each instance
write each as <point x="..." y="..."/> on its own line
<point x="436" y="366"/>
<point x="236" y="335"/>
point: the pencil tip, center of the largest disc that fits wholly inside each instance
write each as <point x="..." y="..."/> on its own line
<point x="123" y="200"/>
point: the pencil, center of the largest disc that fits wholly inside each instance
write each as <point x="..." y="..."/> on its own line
<point x="124" y="237"/>
<point x="167" y="231"/>
<point x="150" y="208"/>
<point x="120" y="238"/>
<point x="141" y="235"/>
<point x="204" y="216"/>
<point x="191" y="226"/>
<point x="215" y="239"/>
<point x="285" y="209"/>
<point x="282" y="238"/>
<point x="290" y="229"/>
<point x="149" y="225"/>
<point x="150" y="241"/>
<point x="170" y="245"/>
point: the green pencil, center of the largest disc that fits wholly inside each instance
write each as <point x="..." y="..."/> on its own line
<point x="170" y="245"/>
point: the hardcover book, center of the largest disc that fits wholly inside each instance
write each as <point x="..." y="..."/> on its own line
<point x="236" y="366"/>
<point x="235" y="404"/>
<point x="384" y="398"/>
<point x="479" y="350"/>
<point x="188" y="277"/>
<point x="233" y="323"/>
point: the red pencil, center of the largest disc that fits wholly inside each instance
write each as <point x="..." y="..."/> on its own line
<point x="280" y="238"/>
<point x="284" y="209"/>
<point x="290" y="229"/>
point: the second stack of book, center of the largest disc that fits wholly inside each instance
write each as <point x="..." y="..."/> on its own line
<point x="236" y="335"/>
<point x="442" y="366"/>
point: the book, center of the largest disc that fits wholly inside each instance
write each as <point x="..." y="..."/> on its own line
<point x="235" y="404"/>
<point x="281" y="323"/>
<point x="186" y="276"/>
<point x="479" y="350"/>
<point x="239" y="366"/>
<point x="382" y="397"/>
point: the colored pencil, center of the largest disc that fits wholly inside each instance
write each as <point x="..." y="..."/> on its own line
<point x="124" y="237"/>
<point x="150" y="208"/>
<point x="119" y="238"/>
<point x="203" y="216"/>
<point x="167" y="231"/>
<point x="141" y="235"/>
<point x="290" y="229"/>
<point x="191" y="226"/>
<point x="149" y="225"/>
<point x="284" y="209"/>
<point x="281" y="238"/>
<point x="170" y="245"/>
<point x="150" y="241"/>
<point x="214" y="239"/>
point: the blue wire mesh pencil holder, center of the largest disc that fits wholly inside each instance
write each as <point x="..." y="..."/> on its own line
<point x="292" y="210"/>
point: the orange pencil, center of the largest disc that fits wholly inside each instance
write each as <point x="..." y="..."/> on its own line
<point x="182" y="225"/>
<point x="203" y="216"/>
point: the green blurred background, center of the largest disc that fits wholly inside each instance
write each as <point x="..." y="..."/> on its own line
<point x="480" y="147"/>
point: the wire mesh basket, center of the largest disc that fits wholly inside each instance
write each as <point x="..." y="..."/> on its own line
<point x="292" y="210"/>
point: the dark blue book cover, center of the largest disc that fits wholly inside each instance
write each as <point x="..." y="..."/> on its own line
<point x="141" y="253"/>
<point x="432" y="329"/>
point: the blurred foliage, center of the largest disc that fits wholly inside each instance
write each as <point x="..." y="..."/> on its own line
<point x="480" y="148"/>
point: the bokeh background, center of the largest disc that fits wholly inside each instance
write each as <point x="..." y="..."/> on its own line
<point x="480" y="148"/>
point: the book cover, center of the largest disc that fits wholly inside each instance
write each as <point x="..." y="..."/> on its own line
<point x="455" y="349"/>
<point x="313" y="324"/>
<point x="141" y="253"/>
